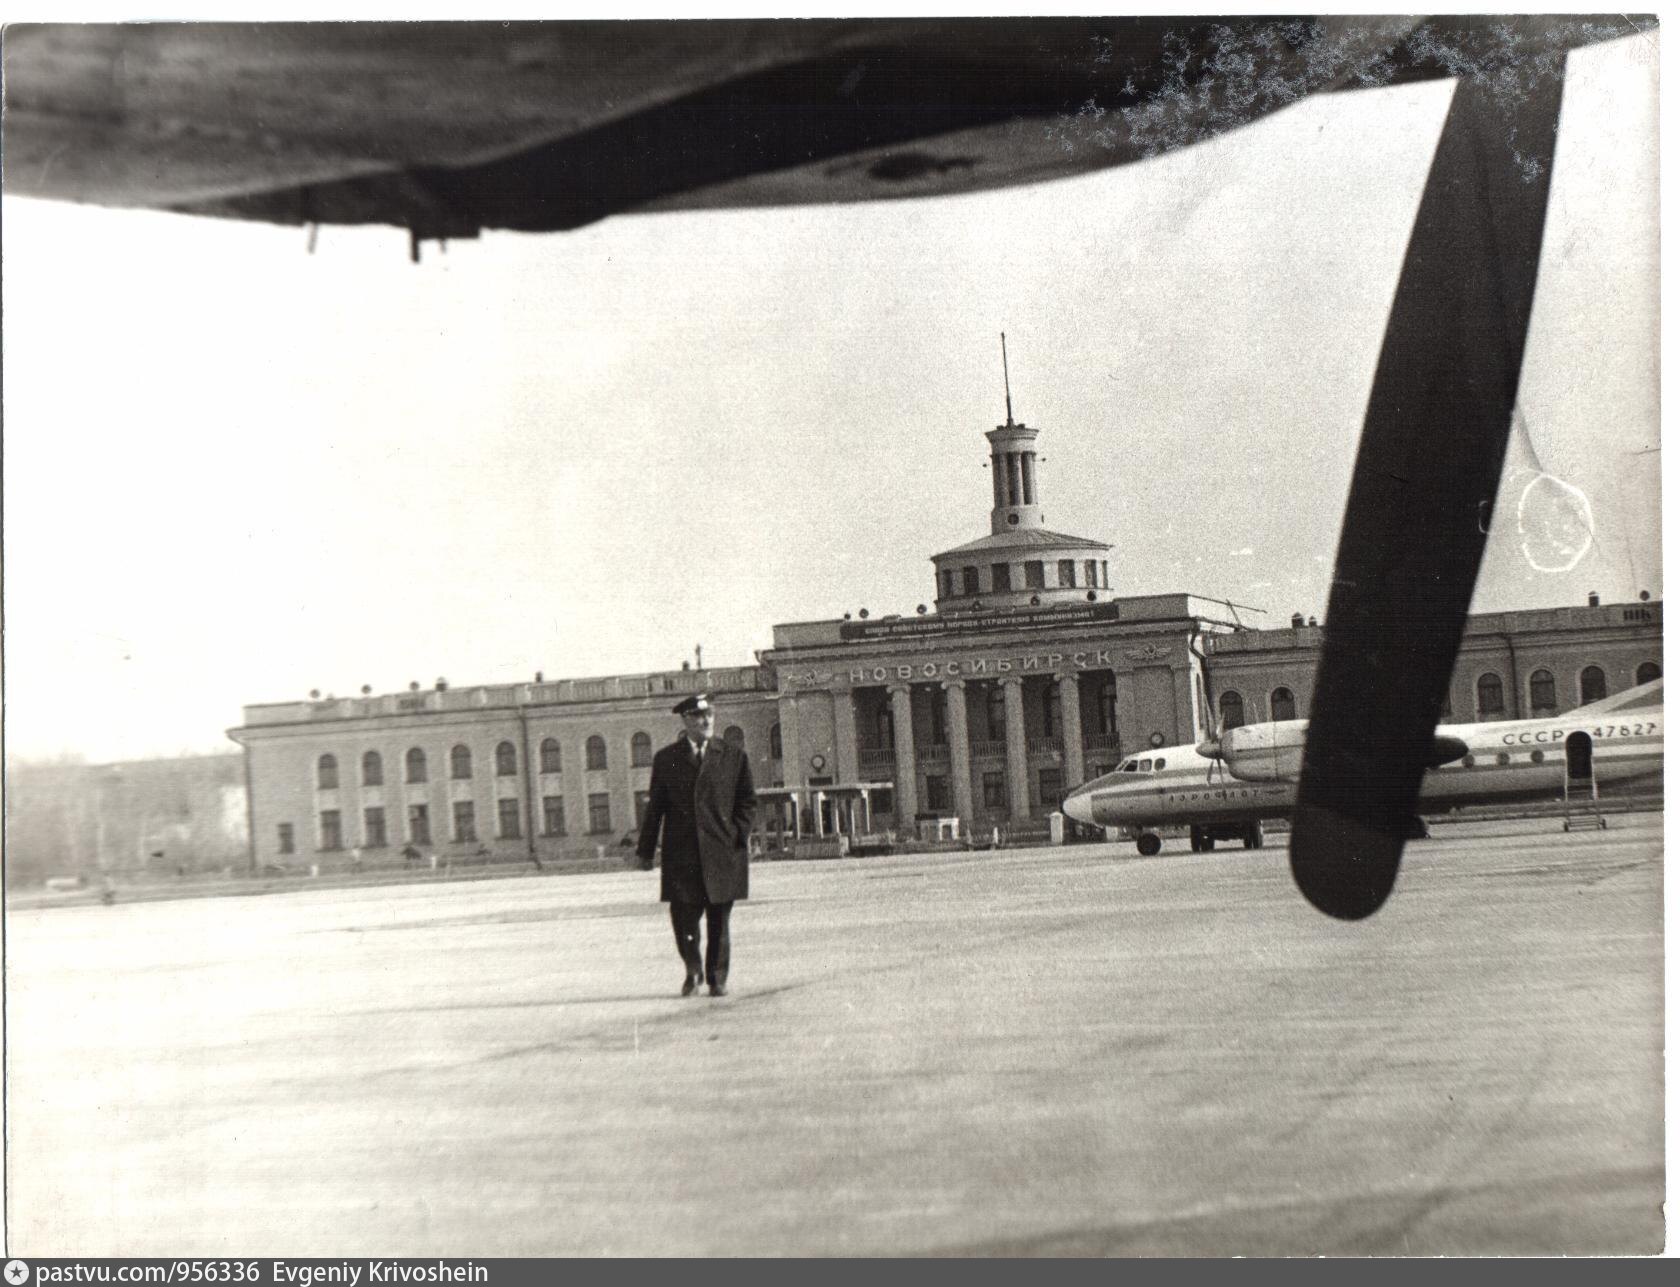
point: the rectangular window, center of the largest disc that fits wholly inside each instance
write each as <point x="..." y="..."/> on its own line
<point x="1049" y="788"/>
<point x="1035" y="575"/>
<point x="600" y="813"/>
<point x="1090" y="571"/>
<point x="373" y="826"/>
<point x="1064" y="572"/>
<point x="419" y="824"/>
<point x="507" y="820"/>
<point x="938" y="793"/>
<point x="287" y="845"/>
<point x="1105" y="574"/>
<point x="948" y="582"/>
<point x="554" y="816"/>
<point x="332" y="834"/>
<point x="1000" y="576"/>
<point x="971" y="580"/>
<point x="991" y="791"/>
<point x="465" y="827"/>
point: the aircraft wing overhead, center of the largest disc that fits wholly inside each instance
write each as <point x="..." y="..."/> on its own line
<point x="449" y="128"/>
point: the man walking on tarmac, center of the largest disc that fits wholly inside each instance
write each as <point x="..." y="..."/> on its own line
<point x="701" y="794"/>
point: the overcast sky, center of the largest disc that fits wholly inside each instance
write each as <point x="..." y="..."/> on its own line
<point x="236" y="471"/>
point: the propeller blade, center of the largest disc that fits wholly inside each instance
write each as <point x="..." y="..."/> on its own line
<point x="1424" y="485"/>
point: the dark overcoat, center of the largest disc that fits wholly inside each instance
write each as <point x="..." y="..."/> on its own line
<point x="706" y="813"/>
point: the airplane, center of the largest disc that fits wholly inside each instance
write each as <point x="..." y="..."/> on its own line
<point x="1227" y="786"/>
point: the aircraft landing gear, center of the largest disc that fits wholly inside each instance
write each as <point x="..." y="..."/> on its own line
<point x="1254" y="835"/>
<point x="1201" y="841"/>
<point x="1149" y="844"/>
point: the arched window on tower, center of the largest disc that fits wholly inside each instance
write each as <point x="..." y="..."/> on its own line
<point x="507" y="760"/>
<point x="1283" y="703"/>
<point x="1647" y="671"/>
<point x="373" y="769"/>
<point x="1490" y="696"/>
<point x="776" y="741"/>
<point x="550" y="755"/>
<point x="1592" y="685"/>
<point x="1542" y="693"/>
<point x="595" y="752"/>
<point x="326" y="772"/>
<point x="641" y="750"/>
<point x="1231" y="709"/>
<point x="414" y="765"/>
<point x="460" y="762"/>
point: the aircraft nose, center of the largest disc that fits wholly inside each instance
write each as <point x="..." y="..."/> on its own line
<point x="1077" y="805"/>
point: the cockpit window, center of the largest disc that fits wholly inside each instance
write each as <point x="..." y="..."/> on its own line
<point x="1160" y="764"/>
<point x="1130" y="766"/>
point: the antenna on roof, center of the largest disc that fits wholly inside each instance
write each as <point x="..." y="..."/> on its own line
<point x="1008" y="407"/>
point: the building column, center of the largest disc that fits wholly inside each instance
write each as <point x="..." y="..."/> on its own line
<point x="1125" y="712"/>
<point x="793" y="757"/>
<point x="1073" y="745"/>
<point x="1184" y="706"/>
<point x="1015" y="746"/>
<point x="845" y="738"/>
<point x="904" y="758"/>
<point x="956" y="733"/>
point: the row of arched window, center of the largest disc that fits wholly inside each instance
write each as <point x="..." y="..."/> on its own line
<point x="1542" y="689"/>
<point x="1232" y="714"/>
<point x="416" y="769"/>
<point x="1490" y="695"/>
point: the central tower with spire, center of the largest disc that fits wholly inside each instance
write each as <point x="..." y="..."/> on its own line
<point x="1014" y="466"/>
<point x="1021" y="564"/>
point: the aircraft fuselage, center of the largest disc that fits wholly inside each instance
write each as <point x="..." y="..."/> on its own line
<point x="1255" y="770"/>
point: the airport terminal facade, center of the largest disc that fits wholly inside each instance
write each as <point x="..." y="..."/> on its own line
<point x="1028" y="677"/>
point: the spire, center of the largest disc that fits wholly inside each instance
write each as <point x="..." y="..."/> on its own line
<point x="1008" y="407"/>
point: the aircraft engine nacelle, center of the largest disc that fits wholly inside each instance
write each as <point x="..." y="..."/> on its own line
<point x="1264" y="752"/>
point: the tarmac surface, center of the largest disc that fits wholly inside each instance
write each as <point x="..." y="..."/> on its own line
<point x="1029" y="1052"/>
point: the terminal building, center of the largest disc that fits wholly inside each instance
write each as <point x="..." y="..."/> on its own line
<point x="1028" y="677"/>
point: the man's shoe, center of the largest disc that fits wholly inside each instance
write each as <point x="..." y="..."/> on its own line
<point x="720" y="989"/>
<point x="691" y="985"/>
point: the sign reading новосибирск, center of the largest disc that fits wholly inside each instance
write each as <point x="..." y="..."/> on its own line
<point x="973" y="667"/>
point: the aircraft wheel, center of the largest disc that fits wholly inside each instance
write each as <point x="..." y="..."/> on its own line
<point x="1199" y="840"/>
<point x="1149" y="844"/>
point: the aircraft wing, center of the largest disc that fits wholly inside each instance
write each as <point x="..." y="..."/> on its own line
<point x="449" y="128"/>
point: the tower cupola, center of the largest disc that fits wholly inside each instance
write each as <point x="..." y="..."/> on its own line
<point x="1021" y="564"/>
<point x="1014" y="468"/>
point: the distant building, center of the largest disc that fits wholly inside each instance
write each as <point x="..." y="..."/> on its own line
<point x="170" y="815"/>
<point x="1029" y="676"/>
